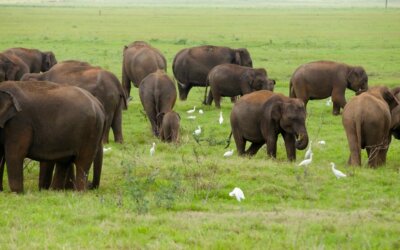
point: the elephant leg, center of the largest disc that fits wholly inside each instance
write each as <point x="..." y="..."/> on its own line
<point x="15" y="172"/>
<point x="60" y="176"/>
<point x="290" y="141"/>
<point x="217" y="99"/>
<point x="254" y="147"/>
<point x="338" y="101"/>
<point x="271" y="144"/>
<point x="107" y="127"/>
<point x="45" y="174"/>
<point x="82" y="164"/>
<point x="209" y="98"/>
<point x="240" y="143"/>
<point x="355" y="148"/>
<point x="116" y="124"/>
<point x="376" y="156"/>
<point x="2" y="163"/>
<point x="234" y="98"/>
<point x="97" y="167"/>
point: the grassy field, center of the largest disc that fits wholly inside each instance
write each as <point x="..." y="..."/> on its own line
<point x="179" y="197"/>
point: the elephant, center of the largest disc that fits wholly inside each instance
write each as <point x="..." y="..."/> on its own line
<point x="192" y="65"/>
<point x="259" y="117"/>
<point x="36" y="60"/>
<point x="48" y="122"/>
<point x="158" y="95"/>
<point x="12" y="68"/>
<point x="169" y="130"/>
<point x="367" y="120"/>
<point x="103" y="84"/>
<point x="321" y="79"/>
<point x="234" y="80"/>
<point x="139" y="60"/>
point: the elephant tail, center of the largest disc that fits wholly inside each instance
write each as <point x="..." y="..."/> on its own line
<point x="228" y="141"/>
<point x="292" y="94"/>
<point x="205" y="92"/>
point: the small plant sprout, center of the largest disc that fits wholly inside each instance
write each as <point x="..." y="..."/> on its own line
<point x="190" y="111"/>
<point x="228" y="153"/>
<point x="238" y="193"/>
<point x="197" y="131"/>
<point x="339" y="174"/>
<point x="306" y="162"/>
<point x="153" y="149"/>
<point x="221" y="118"/>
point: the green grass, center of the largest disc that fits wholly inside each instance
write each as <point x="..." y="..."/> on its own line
<point x="179" y="198"/>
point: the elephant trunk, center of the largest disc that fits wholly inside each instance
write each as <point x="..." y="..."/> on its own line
<point x="302" y="140"/>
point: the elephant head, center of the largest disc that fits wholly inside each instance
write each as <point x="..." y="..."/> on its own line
<point x="9" y="107"/>
<point x="258" y="79"/>
<point x="242" y="57"/>
<point x="357" y="79"/>
<point x="48" y="61"/>
<point x="288" y="116"/>
<point x="8" y="69"/>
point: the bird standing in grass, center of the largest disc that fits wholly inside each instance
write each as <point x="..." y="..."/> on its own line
<point x="221" y="118"/>
<point x="306" y="162"/>
<point x="201" y="111"/>
<point x="191" y="110"/>
<point x="329" y="102"/>
<point x="238" y="193"/>
<point x="308" y="152"/>
<point x="339" y="174"/>
<point x="197" y="131"/>
<point x="228" y="153"/>
<point x="153" y="149"/>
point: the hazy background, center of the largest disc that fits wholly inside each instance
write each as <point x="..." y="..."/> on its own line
<point x="208" y="3"/>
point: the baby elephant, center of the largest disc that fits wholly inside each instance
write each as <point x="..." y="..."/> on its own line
<point x="321" y="79"/>
<point x="367" y="120"/>
<point x="170" y="124"/>
<point x="235" y="80"/>
<point x="158" y="95"/>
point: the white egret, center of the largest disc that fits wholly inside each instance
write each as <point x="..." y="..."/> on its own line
<point x="339" y="174"/>
<point x="329" y="102"/>
<point x="228" y="153"/>
<point x="201" y="111"/>
<point x="153" y="149"/>
<point x="306" y="162"/>
<point x="322" y="142"/>
<point x="221" y="118"/>
<point x="197" y="131"/>
<point x="308" y="152"/>
<point x="192" y="117"/>
<point x="238" y="193"/>
<point x="191" y="110"/>
<point x="105" y="150"/>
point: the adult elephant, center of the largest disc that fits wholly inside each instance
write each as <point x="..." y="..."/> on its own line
<point x="321" y="79"/>
<point x="139" y="60"/>
<point x="192" y="65"/>
<point x="12" y="68"/>
<point x="259" y="117"/>
<point x="367" y="120"/>
<point x="158" y="95"/>
<point x="36" y="60"/>
<point x="235" y="80"/>
<point x="49" y="122"/>
<point x="103" y="84"/>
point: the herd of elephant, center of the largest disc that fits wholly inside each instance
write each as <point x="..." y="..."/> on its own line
<point x="60" y="113"/>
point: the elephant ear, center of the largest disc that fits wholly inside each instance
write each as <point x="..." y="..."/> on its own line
<point x="389" y="98"/>
<point x="273" y="109"/>
<point x="9" y="107"/>
<point x="248" y="77"/>
<point x="48" y="60"/>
